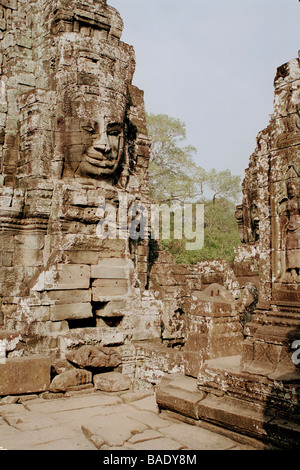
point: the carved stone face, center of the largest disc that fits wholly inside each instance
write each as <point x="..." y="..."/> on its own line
<point x="97" y="148"/>
<point x="102" y="156"/>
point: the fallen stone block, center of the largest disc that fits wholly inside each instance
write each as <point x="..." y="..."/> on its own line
<point x="24" y="398"/>
<point x="9" y="400"/>
<point x="70" y="378"/>
<point x="21" y="375"/>
<point x="112" y="382"/>
<point x="94" y="356"/>
<point x="61" y="365"/>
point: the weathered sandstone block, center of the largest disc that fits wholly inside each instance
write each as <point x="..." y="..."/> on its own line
<point x="70" y="378"/>
<point x="111" y="309"/>
<point x="24" y="375"/>
<point x="109" y="288"/>
<point x="108" y="272"/>
<point x="71" y="296"/>
<point x="179" y="394"/>
<point x="76" y="276"/>
<point x="70" y="311"/>
<point x="95" y="357"/>
<point x="112" y="382"/>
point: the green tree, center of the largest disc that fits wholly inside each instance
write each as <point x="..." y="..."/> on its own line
<point x="220" y="230"/>
<point x="220" y="235"/>
<point x="224" y="185"/>
<point x="173" y="174"/>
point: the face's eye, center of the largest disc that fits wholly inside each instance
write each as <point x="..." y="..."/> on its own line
<point x="114" y="133"/>
<point x="89" y="129"/>
<point x="114" y="129"/>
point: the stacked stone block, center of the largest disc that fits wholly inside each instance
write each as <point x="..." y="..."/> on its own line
<point x="65" y="75"/>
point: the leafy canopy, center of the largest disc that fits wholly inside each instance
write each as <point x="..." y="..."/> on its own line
<point x="174" y="176"/>
<point x="173" y="173"/>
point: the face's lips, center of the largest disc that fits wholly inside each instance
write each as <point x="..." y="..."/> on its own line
<point x="100" y="160"/>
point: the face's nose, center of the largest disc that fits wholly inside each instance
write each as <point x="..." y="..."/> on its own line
<point x="101" y="142"/>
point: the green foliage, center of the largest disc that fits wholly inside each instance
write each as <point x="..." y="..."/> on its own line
<point x="220" y="235"/>
<point x="174" y="176"/>
<point x="220" y="230"/>
<point x="223" y="184"/>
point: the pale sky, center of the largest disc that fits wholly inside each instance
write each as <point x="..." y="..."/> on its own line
<point x="212" y="63"/>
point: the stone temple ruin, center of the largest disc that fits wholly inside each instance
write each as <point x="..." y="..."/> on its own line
<point x="81" y="311"/>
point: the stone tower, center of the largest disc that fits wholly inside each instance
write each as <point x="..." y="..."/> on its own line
<point x="74" y="152"/>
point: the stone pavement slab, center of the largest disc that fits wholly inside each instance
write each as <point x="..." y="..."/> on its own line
<point x="78" y="443"/>
<point x="163" y="443"/>
<point x="25" y="420"/>
<point x="103" y="421"/>
<point x="197" y="438"/>
<point x="144" y="436"/>
<point x="147" y="404"/>
<point x="114" y="430"/>
<point x="73" y="403"/>
<point x="152" y="420"/>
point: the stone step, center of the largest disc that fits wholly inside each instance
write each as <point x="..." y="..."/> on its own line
<point x="234" y="414"/>
<point x="179" y="380"/>
<point x="179" y="393"/>
<point x="225" y="375"/>
<point x="249" y="419"/>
